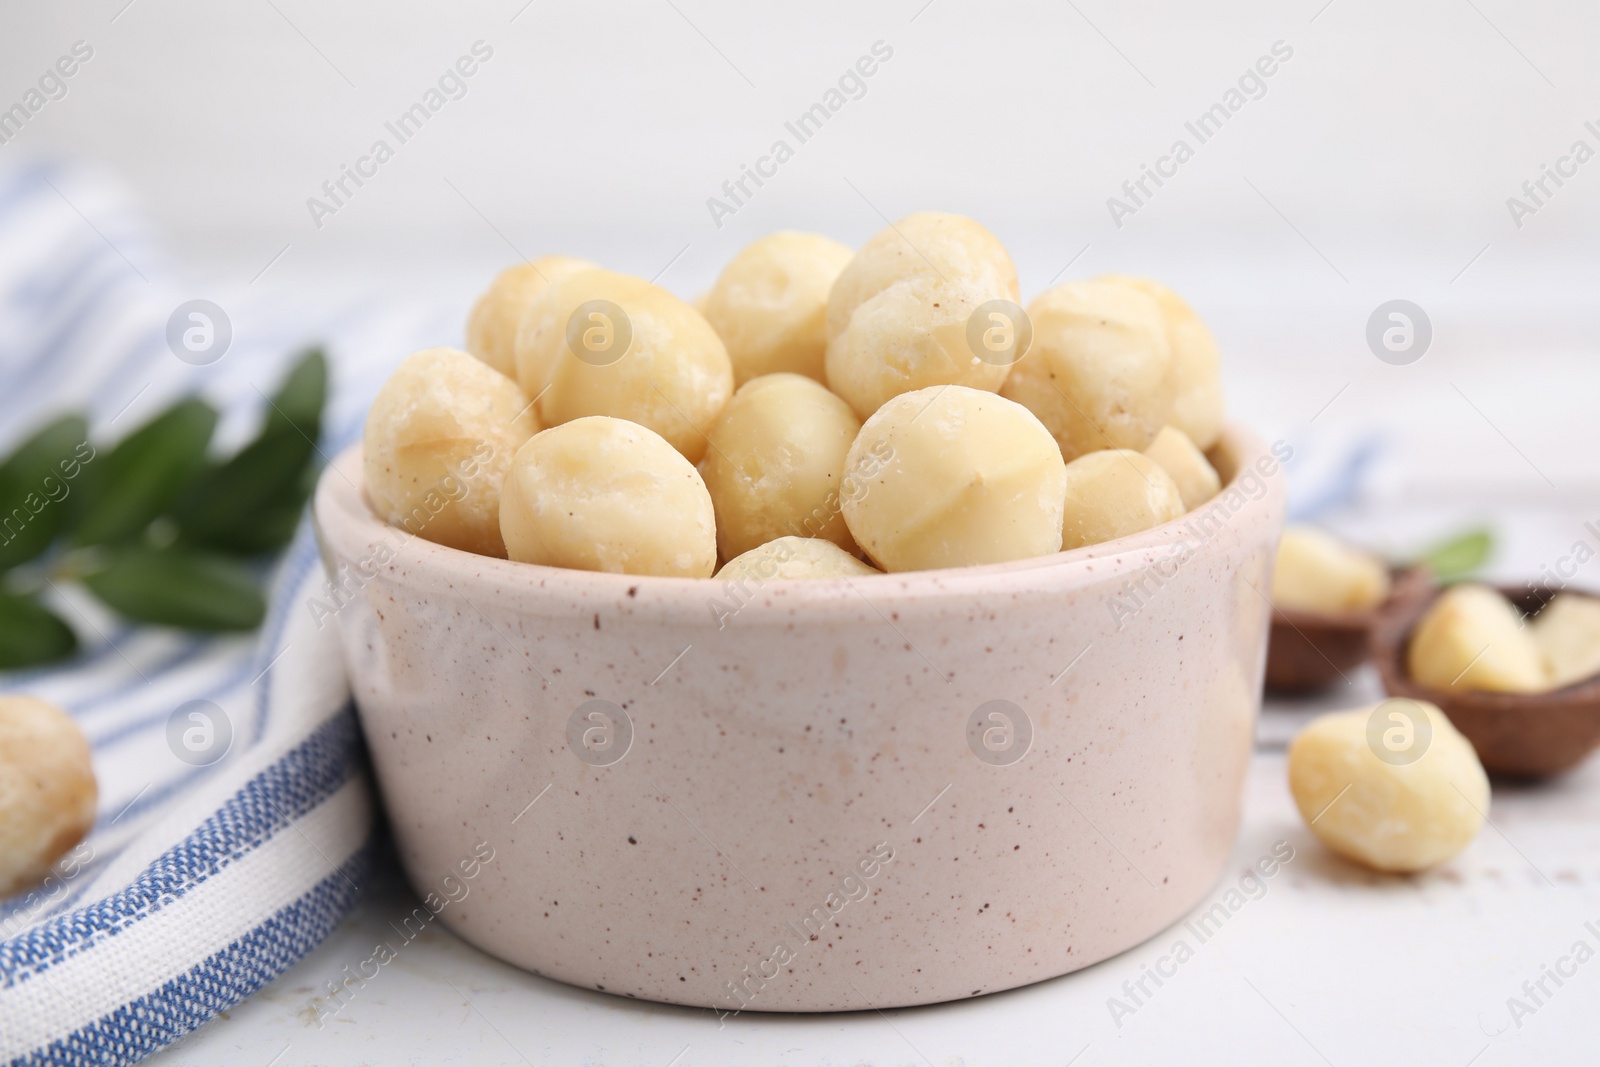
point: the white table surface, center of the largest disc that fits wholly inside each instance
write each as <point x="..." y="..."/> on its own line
<point x="1331" y="965"/>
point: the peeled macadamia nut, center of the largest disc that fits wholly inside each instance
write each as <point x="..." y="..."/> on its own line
<point x="927" y="243"/>
<point x="1414" y="806"/>
<point x="47" y="789"/>
<point x="1472" y="638"/>
<point x="793" y="557"/>
<point x="1197" y="406"/>
<point x="1318" y="572"/>
<point x="600" y="343"/>
<point x="1196" y="478"/>
<point x="775" y="463"/>
<point x="898" y="315"/>
<point x="1114" y="493"/>
<point x="439" y="440"/>
<point x="951" y="477"/>
<point x="604" y="494"/>
<point x="492" y="326"/>
<point x="1098" y="374"/>
<point x="910" y="336"/>
<point x="770" y="304"/>
<point x="1567" y="633"/>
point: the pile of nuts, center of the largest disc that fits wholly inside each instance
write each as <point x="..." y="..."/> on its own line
<point x="818" y="413"/>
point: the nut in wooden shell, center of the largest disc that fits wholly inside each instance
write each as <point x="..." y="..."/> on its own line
<point x="1529" y="735"/>
<point x="1310" y="650"/>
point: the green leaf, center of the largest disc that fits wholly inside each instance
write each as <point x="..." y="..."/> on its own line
<point x="190" y="590"/>
<point x="31" y="634"/>
<point x="224" y="506"/>
<point x="35" y="482"/>
<point x="273" y="528"/>
<point x="240" y="505"/>
<point x="1459" y="556"/>
<point x="145" y="472"/>
<point x="303" y="392"/>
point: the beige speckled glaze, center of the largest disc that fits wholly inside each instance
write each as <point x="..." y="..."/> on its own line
<point x="820" y="721"/>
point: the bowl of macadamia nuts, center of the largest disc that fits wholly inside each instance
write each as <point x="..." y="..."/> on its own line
<point x="1326" y="596"/>
<point x="801" y="649"/>
<point x="1517" y="670"/>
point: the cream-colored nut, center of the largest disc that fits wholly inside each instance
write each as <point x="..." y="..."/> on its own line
<point x="600" y="343"/>
<point x="1098" y="374"/>
<point x="492" y="326"/>
<point x="1318" y="572"/>
<point x="951" y="477"/>
<point x="1567" y="633"/>
<point x="912" y="335"/>
<point x="1394" y="786"/>
<point x="439" y="440"/>
<point x="1472" y="638"/>
<point x="604" y="494"/>
<point x="793" y="557"/>
<point x="927" y="243"/>
<point x="1197" y="479"/>
<point x="1197" y="403"/>
<point x="1113" y="493"/>
<point x="47" y="789"/>
<point x="775" y="463"/>
<point x="770" y="304"/>
<point x="899" y="312"/>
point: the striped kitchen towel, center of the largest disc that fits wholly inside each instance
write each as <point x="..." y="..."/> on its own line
<point x="206" y="875"/>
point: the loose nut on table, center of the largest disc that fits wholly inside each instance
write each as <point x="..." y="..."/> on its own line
<point x="47" y="789"/>
<point x="1393" y="786"/>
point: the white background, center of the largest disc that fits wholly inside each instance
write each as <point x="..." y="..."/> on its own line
<point x="1377" y="165"/>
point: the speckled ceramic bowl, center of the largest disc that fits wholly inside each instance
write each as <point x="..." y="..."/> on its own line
<point x="813" y="796"/>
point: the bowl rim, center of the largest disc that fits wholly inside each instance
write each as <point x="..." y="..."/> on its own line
<point x="343" y="517"/>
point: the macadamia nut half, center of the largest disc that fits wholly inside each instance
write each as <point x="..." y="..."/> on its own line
<point x="605" y="494"/>
<point x="1472" y="638"/>
<point x="492" y="326"/>
<point x="775" y="463"/>
<point x="1394" y="787"/>
<point x="1317" y="572"/>
<point x="1098" y="374"/>
<point x="438" y="442"/>
<point x="1567" y="633"/>
<point x="1114" y="493"/>
<point x="770" y="304"/>
<point x="951" y="477"/>
<point x="47" y="789"/>
<point x="600" y="343"/>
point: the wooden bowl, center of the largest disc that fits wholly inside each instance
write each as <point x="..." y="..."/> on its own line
<point x="1311" y="650"/>
<point x="1529" y="735"/>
